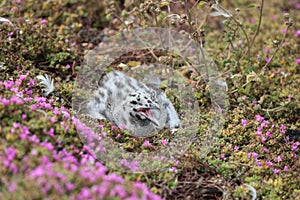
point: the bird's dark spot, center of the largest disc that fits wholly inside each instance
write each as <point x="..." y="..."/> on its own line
<point x="132" y="95"/>
<point x="149" y="101"/>
<point x="133" y="102"/>
<point x="131" y="114"/>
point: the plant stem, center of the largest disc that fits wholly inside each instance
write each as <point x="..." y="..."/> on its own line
<point x="256" y="32"/>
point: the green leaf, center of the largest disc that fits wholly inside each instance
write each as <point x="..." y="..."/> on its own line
<point x="253" y="5"/>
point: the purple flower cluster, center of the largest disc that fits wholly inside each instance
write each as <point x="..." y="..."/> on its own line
<point x="264" y="130"/>
<point x="47" y="164"/>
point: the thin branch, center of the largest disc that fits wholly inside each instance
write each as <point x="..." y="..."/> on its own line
<point x="256" y="32"/>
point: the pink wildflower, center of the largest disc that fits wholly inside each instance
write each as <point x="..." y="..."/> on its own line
<point x="164" y="142"/>
<point x="268" y="59"/>
<point x="278" y="159"/>
<point x="267" y="50"/>
<point x="5" y="102"/>
<point x="265" y="149"/>
<point x="283" y="31"/>
<point x="43" y="21"/>
<point x="244" y="122"/>
<point x="268" y="134"/>
<point x="295" y="146"/>
<point x="147" y="143"/>
<point x="282" y="129"/>
<point x="276" y="171"/>
<point x="269" y="163"/>
<point x="258" y="163"/>
<point x="259" y="118"/>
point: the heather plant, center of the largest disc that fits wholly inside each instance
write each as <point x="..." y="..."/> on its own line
<point x="255" y="47"/>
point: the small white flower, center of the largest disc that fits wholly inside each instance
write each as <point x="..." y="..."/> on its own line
<point x="47" y="82"/>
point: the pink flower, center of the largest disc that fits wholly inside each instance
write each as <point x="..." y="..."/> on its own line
<point x="259" y="118"/>
<point x="119" y="136"/>
<point x="70" y="186"/>
<point x="269" y="163"/>
<point x="56" y="111"/>
<point x="285" y="168"/>
<point x="31" y="82"/>
<point x="67" y="115"/>
<point x="298" y="61"/>
<point x="10" y="153"/>
<point x="222" y="157"/>
<point x="12" y="187"/>
<point x="283" y="31"/>
<point x="33" y="107"/>
<point x="268" y="59"/>
<point x="43" y="21"/>
<point x="74" y="44"/>
<point x="37" y="172"/>
<point x="282" y="129"/>
<point x="278" y="159"/>
<point x="52" y="120"/>
<point x="22" y="77"/>
<point x="254" y="102"/>
<point x="244" y="122"/>
<point x="68" y="66"/>
<point x="173" y="169"/>
<point x="297" y="33"/>
<point x="147" y="143"/>
<point x="254" y="155"/>
<point x="263" y="139"/>
<point x="265" y="149"/>
<point x="258" y="163"/>
<point x="252" y="21"/>
<point x="164" y="142"/>
<point x="8" y="84"/>
<point x="295" y="146"/>
<point x="5" y="102"/>
<point x="10" y="34"/>
<point x="276" y="171"/>
<point x="236" y="148"/>
<point x="268" y="134"/>
<point x="66" y="40"/>
<point x="258" y="132"/>
<point x="267" y="50"/>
